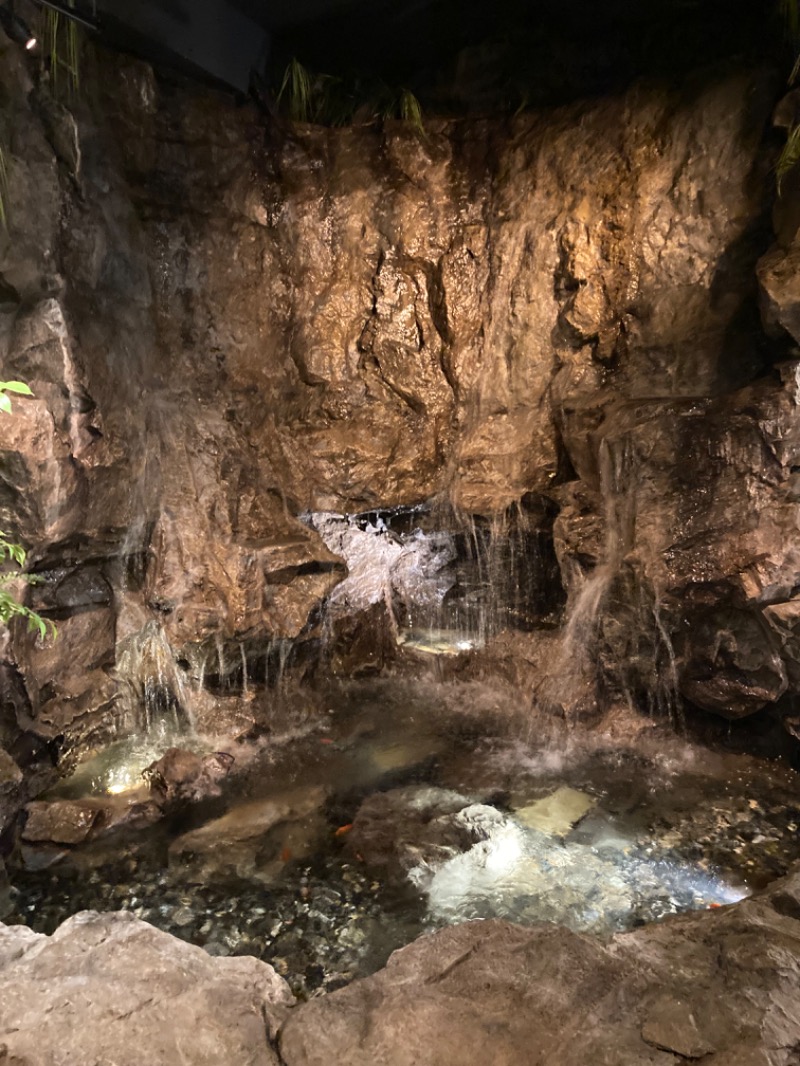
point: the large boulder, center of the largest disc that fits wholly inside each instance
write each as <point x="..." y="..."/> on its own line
<point x="717" y="986"/>
<point x="110" y="988"/>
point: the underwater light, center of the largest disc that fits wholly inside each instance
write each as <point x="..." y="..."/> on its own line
<point x="438" y="641"/>
<point x="16" y="28"/>
<point x="123" y="779"/>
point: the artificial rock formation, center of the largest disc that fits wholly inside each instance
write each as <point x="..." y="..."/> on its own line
<point x="112" y="988"/>
<point x="720" y="986"/>
<point x="226" y="325"/>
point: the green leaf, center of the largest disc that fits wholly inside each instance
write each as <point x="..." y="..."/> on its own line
<point x="16" y="386"/>
<point x="5" y="403"/>
<point x="411" y="111"/>
<point x="789" y="157"/>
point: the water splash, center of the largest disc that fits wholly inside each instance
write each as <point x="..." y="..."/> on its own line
<point x="154" y="689"/>
<point x="450" y="581"/>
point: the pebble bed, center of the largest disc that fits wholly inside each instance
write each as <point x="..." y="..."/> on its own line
<point x="327" y="925"/>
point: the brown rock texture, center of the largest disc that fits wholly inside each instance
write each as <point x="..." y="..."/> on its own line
<point x="717" y="986"/>
<point x="225" y="325"/>
<point x="111" y="988"/>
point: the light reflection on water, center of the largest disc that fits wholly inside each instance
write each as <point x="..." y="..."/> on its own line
<point x="528" y="877"/>
<point x="117" y="769"/>
<point x="671" y="827"/>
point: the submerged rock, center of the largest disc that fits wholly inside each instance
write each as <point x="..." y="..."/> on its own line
<point x="184" y="776"/>
<point x="59" y="821"/>
<point x="556" y="813"/>
<point x="416" y="826"/>
<point x="253" y="840"/>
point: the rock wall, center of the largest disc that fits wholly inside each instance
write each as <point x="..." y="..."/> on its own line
<point x="226" y="324"/>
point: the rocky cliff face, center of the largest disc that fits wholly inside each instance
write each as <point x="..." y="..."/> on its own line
<point x="225" y="326"/>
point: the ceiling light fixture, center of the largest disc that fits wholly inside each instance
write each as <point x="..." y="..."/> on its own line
<point x="16" y="28"/>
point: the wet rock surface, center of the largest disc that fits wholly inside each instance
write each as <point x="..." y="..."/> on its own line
<point x="221" y="336"/>
<point x="718" y="986"/>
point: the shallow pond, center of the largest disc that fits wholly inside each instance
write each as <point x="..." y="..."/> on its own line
<point x="475" y="824"/>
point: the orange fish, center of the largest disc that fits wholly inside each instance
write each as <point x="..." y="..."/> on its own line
<point x="340" y="832"/>
<point x="326" y="740"/>
<point x="714" y="906"/>
<point x="285" y="855"/>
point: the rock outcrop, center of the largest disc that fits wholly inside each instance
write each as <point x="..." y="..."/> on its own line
<point x="717" y="986"/>
<point x="111" y="988"/>
<point x="225" y="326"/>
<point x="720" y="986"/>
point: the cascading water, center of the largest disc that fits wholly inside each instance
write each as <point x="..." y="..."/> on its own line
<point x="449" y="581"/>
<point x="155" y="715"/>
<point x="617" y="605"/>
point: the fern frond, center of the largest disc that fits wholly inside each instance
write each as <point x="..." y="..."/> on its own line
<point x="789" y="157"/>
<point x="411" y="111"/>
<point x="61" y="51"/>
<point x="299" y="88"/>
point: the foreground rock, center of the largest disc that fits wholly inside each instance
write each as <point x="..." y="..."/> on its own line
<point x="109" y="988"/>
<point x="721" y="986"/>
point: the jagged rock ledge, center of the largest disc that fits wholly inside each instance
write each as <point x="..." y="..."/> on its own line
<point x="720" y="986"/>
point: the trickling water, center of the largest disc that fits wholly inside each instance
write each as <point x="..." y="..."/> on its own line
<point x="155" y="689"/>
<point x="449" y="581"/>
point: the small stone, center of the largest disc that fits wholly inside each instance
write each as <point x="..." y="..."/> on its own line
<point x="215" y="948"/>
<point x="557" y="813"/>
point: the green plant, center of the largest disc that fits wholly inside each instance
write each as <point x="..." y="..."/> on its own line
<point x="60" y="37"/>
<point x="790" y="154"/>
<point x="411" y="111"/>
<point x="333" y="101"/>
<point x="297" y="88"/>
<point x="18" y="387"/>
<point x="13" y="555"/>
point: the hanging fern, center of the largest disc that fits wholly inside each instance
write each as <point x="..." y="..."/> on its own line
<point x="789" y="157"/>
<point x="298" y="88"/>
<point x="3" y="189"/>
<point x="411" y="111"/>
<point x="61" y="51"/>
<point x="334" y="101"/>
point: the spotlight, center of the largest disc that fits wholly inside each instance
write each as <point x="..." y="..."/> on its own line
<point x="15" y="28"/>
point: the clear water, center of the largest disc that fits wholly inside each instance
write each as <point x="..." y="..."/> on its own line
<point x="666" y="828"/>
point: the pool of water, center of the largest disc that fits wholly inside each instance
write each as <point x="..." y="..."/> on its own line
<point x="401" y="806"/>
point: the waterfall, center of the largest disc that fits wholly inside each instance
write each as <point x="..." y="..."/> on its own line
<point x="156" y="696"/>
<point x="575" y="669"/>
<point x="642" y="658"/>
<point x="450" y="581"/>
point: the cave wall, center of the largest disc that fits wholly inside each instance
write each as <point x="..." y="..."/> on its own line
<point x="226" y="323"/>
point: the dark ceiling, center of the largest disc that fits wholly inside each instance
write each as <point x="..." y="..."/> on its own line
<point x="456" y="55"/>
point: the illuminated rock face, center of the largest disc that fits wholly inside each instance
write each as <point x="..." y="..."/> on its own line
<point x="225" y="327"/>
